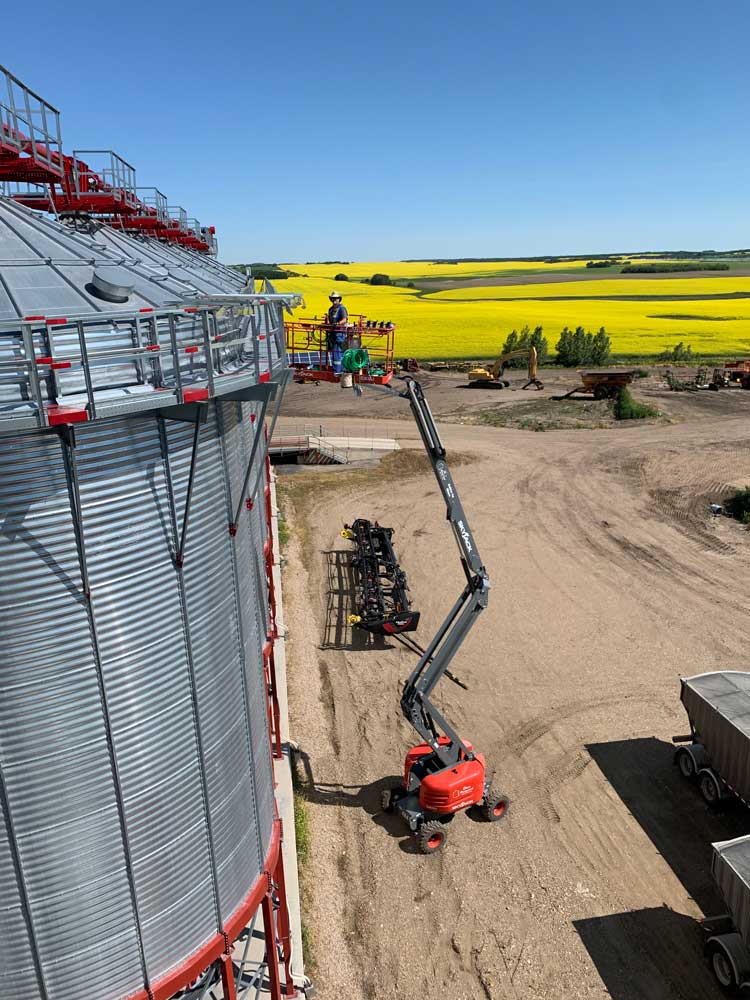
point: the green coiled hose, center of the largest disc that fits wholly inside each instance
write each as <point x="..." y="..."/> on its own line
<point x="355" y="359"/>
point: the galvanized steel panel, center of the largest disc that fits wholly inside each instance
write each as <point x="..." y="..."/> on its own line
<point x="184" y="738"/>
<point x="53" y="746"/>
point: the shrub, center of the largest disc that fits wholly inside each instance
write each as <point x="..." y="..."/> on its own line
<point x="600" y="263"/>
<point x="519" y="342"/>
<point x="739" y="505"/>
<point x="677" y="353"/>
<point x="340" y="277"/>
<point x="380" y="279"/>
<point x="627" y="408"/>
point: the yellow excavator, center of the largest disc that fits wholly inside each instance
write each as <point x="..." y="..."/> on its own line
<point x="492" y="378"/>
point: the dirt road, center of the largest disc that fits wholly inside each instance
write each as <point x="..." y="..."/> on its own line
<point x="608" y="583"/>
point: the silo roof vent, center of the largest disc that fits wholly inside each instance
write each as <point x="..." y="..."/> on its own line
<point x="113" y="284"/>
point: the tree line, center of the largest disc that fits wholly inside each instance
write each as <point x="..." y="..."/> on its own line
<point x="674" y="266"/>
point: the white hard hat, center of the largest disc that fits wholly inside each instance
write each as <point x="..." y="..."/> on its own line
<point x="335" y="295"/>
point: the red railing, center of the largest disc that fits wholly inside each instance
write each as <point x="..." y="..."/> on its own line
<point x="310" y="350"/>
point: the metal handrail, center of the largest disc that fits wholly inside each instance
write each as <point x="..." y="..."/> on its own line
<point x="26" y="107"/>
<point x="190" y="350"/>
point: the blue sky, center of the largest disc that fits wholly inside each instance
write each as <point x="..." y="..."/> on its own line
<point x="308" y="131"/>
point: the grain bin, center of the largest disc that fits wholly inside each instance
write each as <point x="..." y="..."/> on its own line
<point x="138" y="831"/>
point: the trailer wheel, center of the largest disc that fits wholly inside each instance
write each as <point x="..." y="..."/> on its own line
<point x="494" y="807"/>
<point x="709" y="786"/>
<point x="722" y="968"/>
<point x="431" y="837"/>
<point x="601" y="391"/>
<point x="686" y="764"/>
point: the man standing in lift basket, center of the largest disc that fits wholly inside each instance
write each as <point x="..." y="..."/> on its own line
<point x="337" y="318"/>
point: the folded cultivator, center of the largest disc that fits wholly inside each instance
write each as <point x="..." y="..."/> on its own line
<point x="383" y="607"/>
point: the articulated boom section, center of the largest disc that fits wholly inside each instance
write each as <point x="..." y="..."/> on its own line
<point x="435" y="661"/>
<point x="442" y="775"/>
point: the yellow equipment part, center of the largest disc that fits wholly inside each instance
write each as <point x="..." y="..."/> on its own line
<point x="354" y="619"/>
<point x="479" y="373"/>
<point x="346" y="533"/>
<point x="498" y="369"/>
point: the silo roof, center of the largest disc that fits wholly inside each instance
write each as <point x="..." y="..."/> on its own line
<point x="48" y="268"/>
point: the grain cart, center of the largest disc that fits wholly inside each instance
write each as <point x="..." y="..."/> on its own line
<point x="716" y="754"/>
<point x="601" y="384"/>
<point x="727" y="937"/>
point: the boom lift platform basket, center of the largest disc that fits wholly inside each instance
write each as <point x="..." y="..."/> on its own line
<point x="383" y="606"/>
<point x="310" y="353"/>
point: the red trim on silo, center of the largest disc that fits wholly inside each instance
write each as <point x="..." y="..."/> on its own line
<point x="66" y="414"/>
<point x="191" y="968"/>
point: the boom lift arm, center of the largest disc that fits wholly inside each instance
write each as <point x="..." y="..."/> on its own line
<point x="442" y="775"/>
<point x="434" y="663"/>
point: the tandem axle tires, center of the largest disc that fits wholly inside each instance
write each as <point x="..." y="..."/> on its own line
<point x="685" y="761"/>
<point x="729" y="961"/>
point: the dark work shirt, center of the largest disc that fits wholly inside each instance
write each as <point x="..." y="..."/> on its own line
<point x="337" y="314"/>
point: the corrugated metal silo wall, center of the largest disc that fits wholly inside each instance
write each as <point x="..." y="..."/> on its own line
<point x="136" y="801"/>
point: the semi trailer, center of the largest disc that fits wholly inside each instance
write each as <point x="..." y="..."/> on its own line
<point x="727" y="937"/>
<point x="716" y="756"/>
<point x="716" y="753"/>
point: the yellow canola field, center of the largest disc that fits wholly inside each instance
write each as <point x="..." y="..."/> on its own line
<point x="451" y="325"/>
<point x="404" y="271"/>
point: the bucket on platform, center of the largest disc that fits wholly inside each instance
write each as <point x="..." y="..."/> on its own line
<point x="347" y="380"/>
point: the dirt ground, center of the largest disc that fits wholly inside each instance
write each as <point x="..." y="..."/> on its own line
<point x="609" y="582"/>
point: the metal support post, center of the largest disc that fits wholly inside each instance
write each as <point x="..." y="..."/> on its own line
<point x="228" y="984"/>
<point x="272" y="952"/>
<point x="180" y="554"/>
<point x="274" y="709"/>
<point x="253" y="451"/>
<point x="284" y="926"/>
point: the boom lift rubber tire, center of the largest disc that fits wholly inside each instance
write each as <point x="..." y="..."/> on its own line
<point x="722" y="969"/>
<point x="709" y="787"/>
<point x="431" y="837"/>
<point x="686" y="764"/>
<point x="494" y="807"/>
<point x="386" y="799"/>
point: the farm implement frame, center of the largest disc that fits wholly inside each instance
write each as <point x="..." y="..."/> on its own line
<point x="383" y="606"/>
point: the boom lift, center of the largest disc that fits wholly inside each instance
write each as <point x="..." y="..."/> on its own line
<point x="489" y="378"/>
<point x="442" y="775"/>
